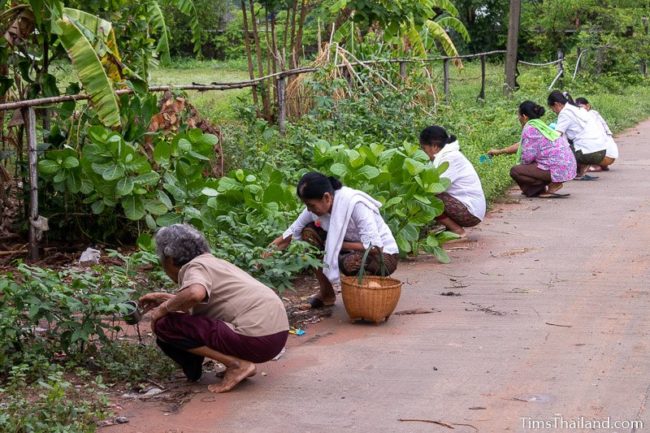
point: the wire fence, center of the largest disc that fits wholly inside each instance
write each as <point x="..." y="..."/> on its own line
<point x="444" y="77"/>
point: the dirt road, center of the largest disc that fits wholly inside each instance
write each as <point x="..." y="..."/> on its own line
<point x="551" y="325"/>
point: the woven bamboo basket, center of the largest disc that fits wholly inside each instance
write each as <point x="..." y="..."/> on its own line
<point x="374" y="299"/>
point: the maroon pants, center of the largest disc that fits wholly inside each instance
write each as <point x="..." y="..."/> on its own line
<point x="179" y="332"/>
<point x="531" y="180"/>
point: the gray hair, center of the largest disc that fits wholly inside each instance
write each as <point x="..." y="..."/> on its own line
<point x="180" y="242"/>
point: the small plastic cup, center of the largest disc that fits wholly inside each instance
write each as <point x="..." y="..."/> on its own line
<point x="133" y="313"/>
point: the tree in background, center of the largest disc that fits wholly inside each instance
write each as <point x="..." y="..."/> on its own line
<point x="612" y="32"/>
<point x="412" y="27"/>
<point x="487" y="24"/>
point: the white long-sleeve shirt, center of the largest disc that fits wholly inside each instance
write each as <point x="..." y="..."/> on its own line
<point x="612" y="148"/>
<point x="465" y="184"/>
<point x="365" y="226"/>
<point x="582" y="128"/>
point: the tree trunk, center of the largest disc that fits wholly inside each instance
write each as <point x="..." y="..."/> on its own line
<point x="266" y="103"/>
<point x="249" y="56"/>
<point x="293" y="33"/>
<point x="297" y="48"/>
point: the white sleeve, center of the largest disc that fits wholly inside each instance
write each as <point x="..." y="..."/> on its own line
<point x="295" y="230"/>
<point x="563" y="122"/>
<point x="602" y="121"/>
<point x="364" y="219"/>
<point x="453" y="170"/>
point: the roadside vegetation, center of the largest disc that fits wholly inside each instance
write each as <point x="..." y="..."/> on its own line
<point x="114" y="170"/>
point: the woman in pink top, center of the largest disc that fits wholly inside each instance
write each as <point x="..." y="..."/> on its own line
<point x="546" y="158"/>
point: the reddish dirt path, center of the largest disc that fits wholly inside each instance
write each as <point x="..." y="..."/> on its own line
<point x="552" y="322"/>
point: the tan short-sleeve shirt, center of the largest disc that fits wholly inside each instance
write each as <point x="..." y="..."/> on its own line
<point x="233" y="296"/>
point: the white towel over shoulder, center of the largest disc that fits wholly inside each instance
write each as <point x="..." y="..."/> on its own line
<point x="345" y="200"/>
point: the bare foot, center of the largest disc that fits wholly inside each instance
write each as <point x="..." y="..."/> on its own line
<point x="234" y="375"/>
<point x="593" y="168"/>
<point x="554" y="187"/>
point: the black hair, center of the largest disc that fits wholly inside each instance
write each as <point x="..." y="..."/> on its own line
<point x="582" y="101"/>
<point x="314" y="185"/>
<point x="561" y="97"/>
<point x="531" y="110"/>
<point x="436" y="136"/>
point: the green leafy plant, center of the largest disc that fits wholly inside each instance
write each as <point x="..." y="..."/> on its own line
<point x="50" y="404"/>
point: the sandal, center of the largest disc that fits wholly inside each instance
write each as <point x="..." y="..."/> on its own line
<point x="552" y="195"/>
<point x="586" y="177"/>
<point x="315" y="302"/>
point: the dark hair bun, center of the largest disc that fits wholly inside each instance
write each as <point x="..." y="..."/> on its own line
<point x="539" y="110"/>
<point x="336" y="184"/>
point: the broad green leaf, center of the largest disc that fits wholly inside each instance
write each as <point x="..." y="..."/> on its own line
<point x="403" y="244"/>
<point x="97" y="207"/>
<point x="393" y="201"/>
<point x="124" y="186"/>
<point x="210" y="192"/>
<point x="409" y="233"/>
<point x="48" y="167"/>
<point x="133" y="207"/>
<point x="228" y="184"/>
<point x="91" y="73"/>
<point x="184" y="145"/>
<point x="179" y="194"/>
<point x="147" y="179"/>
<point x="338" y="169"/>
<point x="412" y="166"/>
<point x="164" y="199"/>
<point x="145" y="240"/>
<point x="421" y="199"/>
<point x="155" y="207"/>
<point x="162" y="152"/>
<point x="169" y="219"/>
<point x="113" y="172"/>
<point x="70" y="162"/>
<point x="368" y="172"/>
<point x="441" y="255"/>
<point x="151" y="224"/>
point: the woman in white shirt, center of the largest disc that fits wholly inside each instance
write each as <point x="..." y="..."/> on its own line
<point x="464" y="200"/>
<point x="343" y="222"/>
<point x="611" y="152"/>
<point x="581" y="129"/>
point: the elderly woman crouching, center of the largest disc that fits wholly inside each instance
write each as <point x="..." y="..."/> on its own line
<point x="219" y="311"/>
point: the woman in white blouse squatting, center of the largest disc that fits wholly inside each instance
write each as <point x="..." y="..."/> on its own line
<point x="585" y="135"/>
<point x="464" y="199"/>
<point x="343" y="222"/>
<point x="611" y="151"/>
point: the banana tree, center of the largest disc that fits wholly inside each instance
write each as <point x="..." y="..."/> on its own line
<point x="39" y="31"/>
<point x="417" y="26"/>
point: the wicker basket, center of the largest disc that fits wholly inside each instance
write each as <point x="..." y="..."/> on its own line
<point x="374" y="299"/>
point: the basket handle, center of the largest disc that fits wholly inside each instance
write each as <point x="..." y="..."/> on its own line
<point x="362" y="269"/>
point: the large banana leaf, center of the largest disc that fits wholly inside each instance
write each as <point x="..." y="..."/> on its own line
<point x="447" y="6"/>
<point x="157" y="21"/>
<point x="90" y="71"/>
<point x="434" y="32"/>
<point x="454" y="24"/>
<point x="101" y="35"/>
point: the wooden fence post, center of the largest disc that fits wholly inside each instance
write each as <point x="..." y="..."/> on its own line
<point x="282" y="103"/>
<point x="402" y="70"/>
<point x="644" y="64"/>
<point x="481" y="95"/>
<point x="29" y="119"/>
<point x="445" y="71"/>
